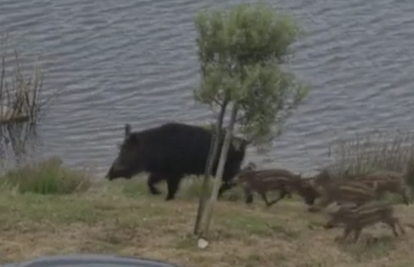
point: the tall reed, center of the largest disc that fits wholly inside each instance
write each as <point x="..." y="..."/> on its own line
<point x="21" y="91"/>
<point x="390" y="151"/>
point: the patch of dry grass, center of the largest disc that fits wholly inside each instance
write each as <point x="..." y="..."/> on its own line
<point x="121" y="217"/>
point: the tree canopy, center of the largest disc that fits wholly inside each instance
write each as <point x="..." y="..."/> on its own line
<point x="241" y="52"/>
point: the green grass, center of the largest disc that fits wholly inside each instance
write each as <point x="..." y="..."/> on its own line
<point x="47" y="177"/>
<point x="41" y="213"/>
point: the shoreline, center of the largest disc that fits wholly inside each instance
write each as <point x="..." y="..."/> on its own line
<point x="120" y="217"/>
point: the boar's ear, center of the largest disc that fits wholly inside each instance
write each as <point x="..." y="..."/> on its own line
<point x="127" y="129"/>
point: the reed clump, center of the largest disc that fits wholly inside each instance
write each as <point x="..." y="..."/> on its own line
<point x="47" y="177"/>
<point x="371" y="152"/>
<point x="21" y="91"/>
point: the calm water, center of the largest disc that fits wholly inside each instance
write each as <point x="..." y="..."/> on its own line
<point x="134" y="61"/>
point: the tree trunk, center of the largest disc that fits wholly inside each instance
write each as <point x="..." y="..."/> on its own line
<point x="220" y="169"/>
<point x="212" y="156"/>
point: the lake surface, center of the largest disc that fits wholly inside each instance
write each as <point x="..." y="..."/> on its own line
<point x="130" y="61"/>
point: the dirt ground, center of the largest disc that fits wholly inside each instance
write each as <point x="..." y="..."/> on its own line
<point x="116" y="218"/>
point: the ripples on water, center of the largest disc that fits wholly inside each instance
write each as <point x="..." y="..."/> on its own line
<point x="134" y="61"/>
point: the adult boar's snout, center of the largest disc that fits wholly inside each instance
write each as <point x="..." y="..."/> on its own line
<point x="110" y="174"/>
<point x="117" y="170"/>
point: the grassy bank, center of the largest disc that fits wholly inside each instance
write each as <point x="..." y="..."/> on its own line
<point x="120" y="217"/>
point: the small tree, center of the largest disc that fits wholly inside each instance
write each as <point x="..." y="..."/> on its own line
<point x="241" y="52"/>
<point x="212" y="157"/>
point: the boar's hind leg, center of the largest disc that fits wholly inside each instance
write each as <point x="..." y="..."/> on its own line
<point x="225" y="185"/>
<point x="347" y="231"/>
<point x="404" y="194"/>
<point x="357" y="233"/>
<point x="173" y="183"/>
<point x="283" y="192"/>
<point x="228" y="182"/>
<point x="248" y="194"/>
<point x="264" y="197"/>
<point x="153" y="179"/>
<point x="394" y="222"/>
<point x="398" y="224"/>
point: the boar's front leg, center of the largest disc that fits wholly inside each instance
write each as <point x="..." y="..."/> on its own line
<point x="225" y="185"/>
<point x="405" y="195"/>
<point x="264" y="197"/>
<point x="173" y="183"/>
<point x="357" y="233"/>
<point x="153" y="179"/>
<point x="282" y="194"/>
<point x="394" y="223"/>
<point x="248" y="194"/>
<point x="347" y="231"/>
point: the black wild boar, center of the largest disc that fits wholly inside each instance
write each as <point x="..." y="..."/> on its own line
<point x="170" y="151"/>
<point x="284" y="181"/>
<point x="355" y="218"/>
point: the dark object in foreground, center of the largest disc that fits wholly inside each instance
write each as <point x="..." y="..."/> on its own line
<point x="284" y="181"/>
<point x="171" y="151"/>
<point x="90" y="260"/>
<point x="355" y="218"/>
